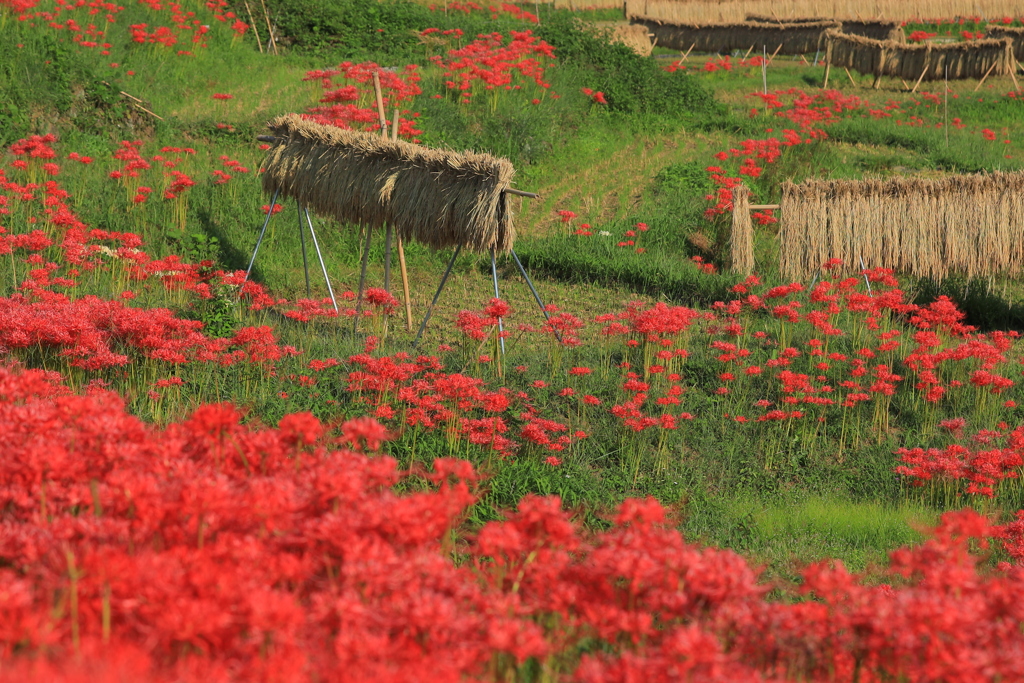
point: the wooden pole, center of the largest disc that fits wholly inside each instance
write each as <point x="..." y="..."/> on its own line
<point x="978" y="87"/>
<point x="252" y="23"/>
<point x="401" y="249"/>
<point x="1013" y="75"/>
<point x="828" y="62"/>
<point x="683" y="58"/>
<point x="381" y="116"/>
<point x="927" y="63"/>
<point x="775" y="53"/>
<point x="850" y="76"/>
<point x="270" y="31"/>
<point x="748" y="53"/>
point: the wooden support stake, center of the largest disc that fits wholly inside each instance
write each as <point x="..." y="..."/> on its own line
<point x="270" y="32"/>
<point x="382" y="117"/>
<point x="748" y="53"/>
<point x="761" y="207"/>
<point x="775" y="53"/>
<point x="401" y="251"/>
<point x="828" y="63"/>
<point x="252" y="23"/>
<point x="978" y="87"/>
<point x="1013" y="75"/>
<point x="683" y="59"/>
<point x="850" y="76"/>
<point x="521" y="193"/>
<point x="927" y="63"/>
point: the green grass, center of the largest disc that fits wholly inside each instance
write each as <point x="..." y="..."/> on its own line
<point x="640" y="159"/>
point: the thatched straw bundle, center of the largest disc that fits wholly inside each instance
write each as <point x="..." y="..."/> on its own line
<point x="968" y="224"/>
<point x="1015" y="33"/>
<point x="741" y="242"/>
<point x="879" y="30"/>
<point x="440" y="198"/>
<point x="633" y="36"/>
<point x="929" y="61"/>
<point x="787" y="39"/>
<point x="706" y="11"/>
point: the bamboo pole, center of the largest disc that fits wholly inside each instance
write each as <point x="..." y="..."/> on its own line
<point x="978" y="87"/>
<point x="748" y="53"/>
<point x="252" y="22"/>
<point x="775" y="53"/>
<point x="828" y="62"/>
<point x="401" y="250"/>
<point x="850" y="76"/>
<point x="270" y="31"/>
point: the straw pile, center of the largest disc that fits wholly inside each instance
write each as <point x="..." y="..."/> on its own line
<point x="1015" y="33"/>
<point x="741" y="241"/>
<point x="968" y="224"/>
<point x="928" y="61"/>
<point x="787" y="39"/>
<point x="633" y="36"/>
<point x="439" y="198"/>
<point x="879" y="30"/>
<point x="707" y="11"/>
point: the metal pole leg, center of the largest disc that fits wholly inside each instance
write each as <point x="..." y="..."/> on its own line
<point x="305" y="259"/>
<point x="312" y="233"/>
<point x="868" y="283"/>
<point x="533" y="289"/>
<point x="259" y="241"/>
<point x="362" y="278"/>
<point x="494" y="277"/>
<point x="437" y="294"/>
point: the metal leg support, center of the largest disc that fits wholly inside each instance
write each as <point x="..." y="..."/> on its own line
<point x="263" y="231"/>
<point x="533" y="289"/>
<point x="437" y="295"/>
<point x="312" y="233"/>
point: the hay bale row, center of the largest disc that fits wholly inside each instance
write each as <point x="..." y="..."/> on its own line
<point x="704" y="11"/>
<point x="787" y="39"/>
<point x="633" y="36"/>
<point x="437" y="197"/>
<point x="1015" y="33"/>
<point x="741" y="240"/>
<point x="879" y="30"/>
<point x="968" y="224"/>
<point x="927" y="61"/>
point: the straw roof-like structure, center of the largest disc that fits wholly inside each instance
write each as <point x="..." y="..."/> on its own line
<point x="913" y="62"/>
<point x="877" y="29"/>
<point x="787" y="39"/>
<point x="437" y="197"/>
<point x="967" y="224"/>
<point x="1015" y="33"/>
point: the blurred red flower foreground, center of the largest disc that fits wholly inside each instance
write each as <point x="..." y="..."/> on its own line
<point x="212" y="551"/>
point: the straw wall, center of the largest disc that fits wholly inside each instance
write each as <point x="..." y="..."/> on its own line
<point x="708" y="11"/>
<point x="879" y="30"/>
<point x="439" y="198"/>
<point x="927" y="61"/>
<point x="787" y="39"/>
<point x="969" y="224"/>
<point x="741" y="241"/>
<point x="1015" y="33"/>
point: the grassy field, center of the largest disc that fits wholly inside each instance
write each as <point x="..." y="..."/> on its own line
<point x="786" y="492"/>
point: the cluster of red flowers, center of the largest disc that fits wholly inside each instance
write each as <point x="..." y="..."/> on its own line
<point x="489" y="61"/>
<point x="211" y="550"/>
<point x="809" y="114"/>
<point x="352" y="105"/>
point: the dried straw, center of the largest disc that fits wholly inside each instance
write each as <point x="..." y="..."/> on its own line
<point x="967" y="224"/>
<point x="633" y="36"/>
<point x="879" y="30"/>
<point x="928" y="61"/>
<point x="1015" y="33"/>
<point x="741" y="242"/>
<point x="787" y="39"/>
<point x="440" y="198"/>
<point x="711" y="11"/>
